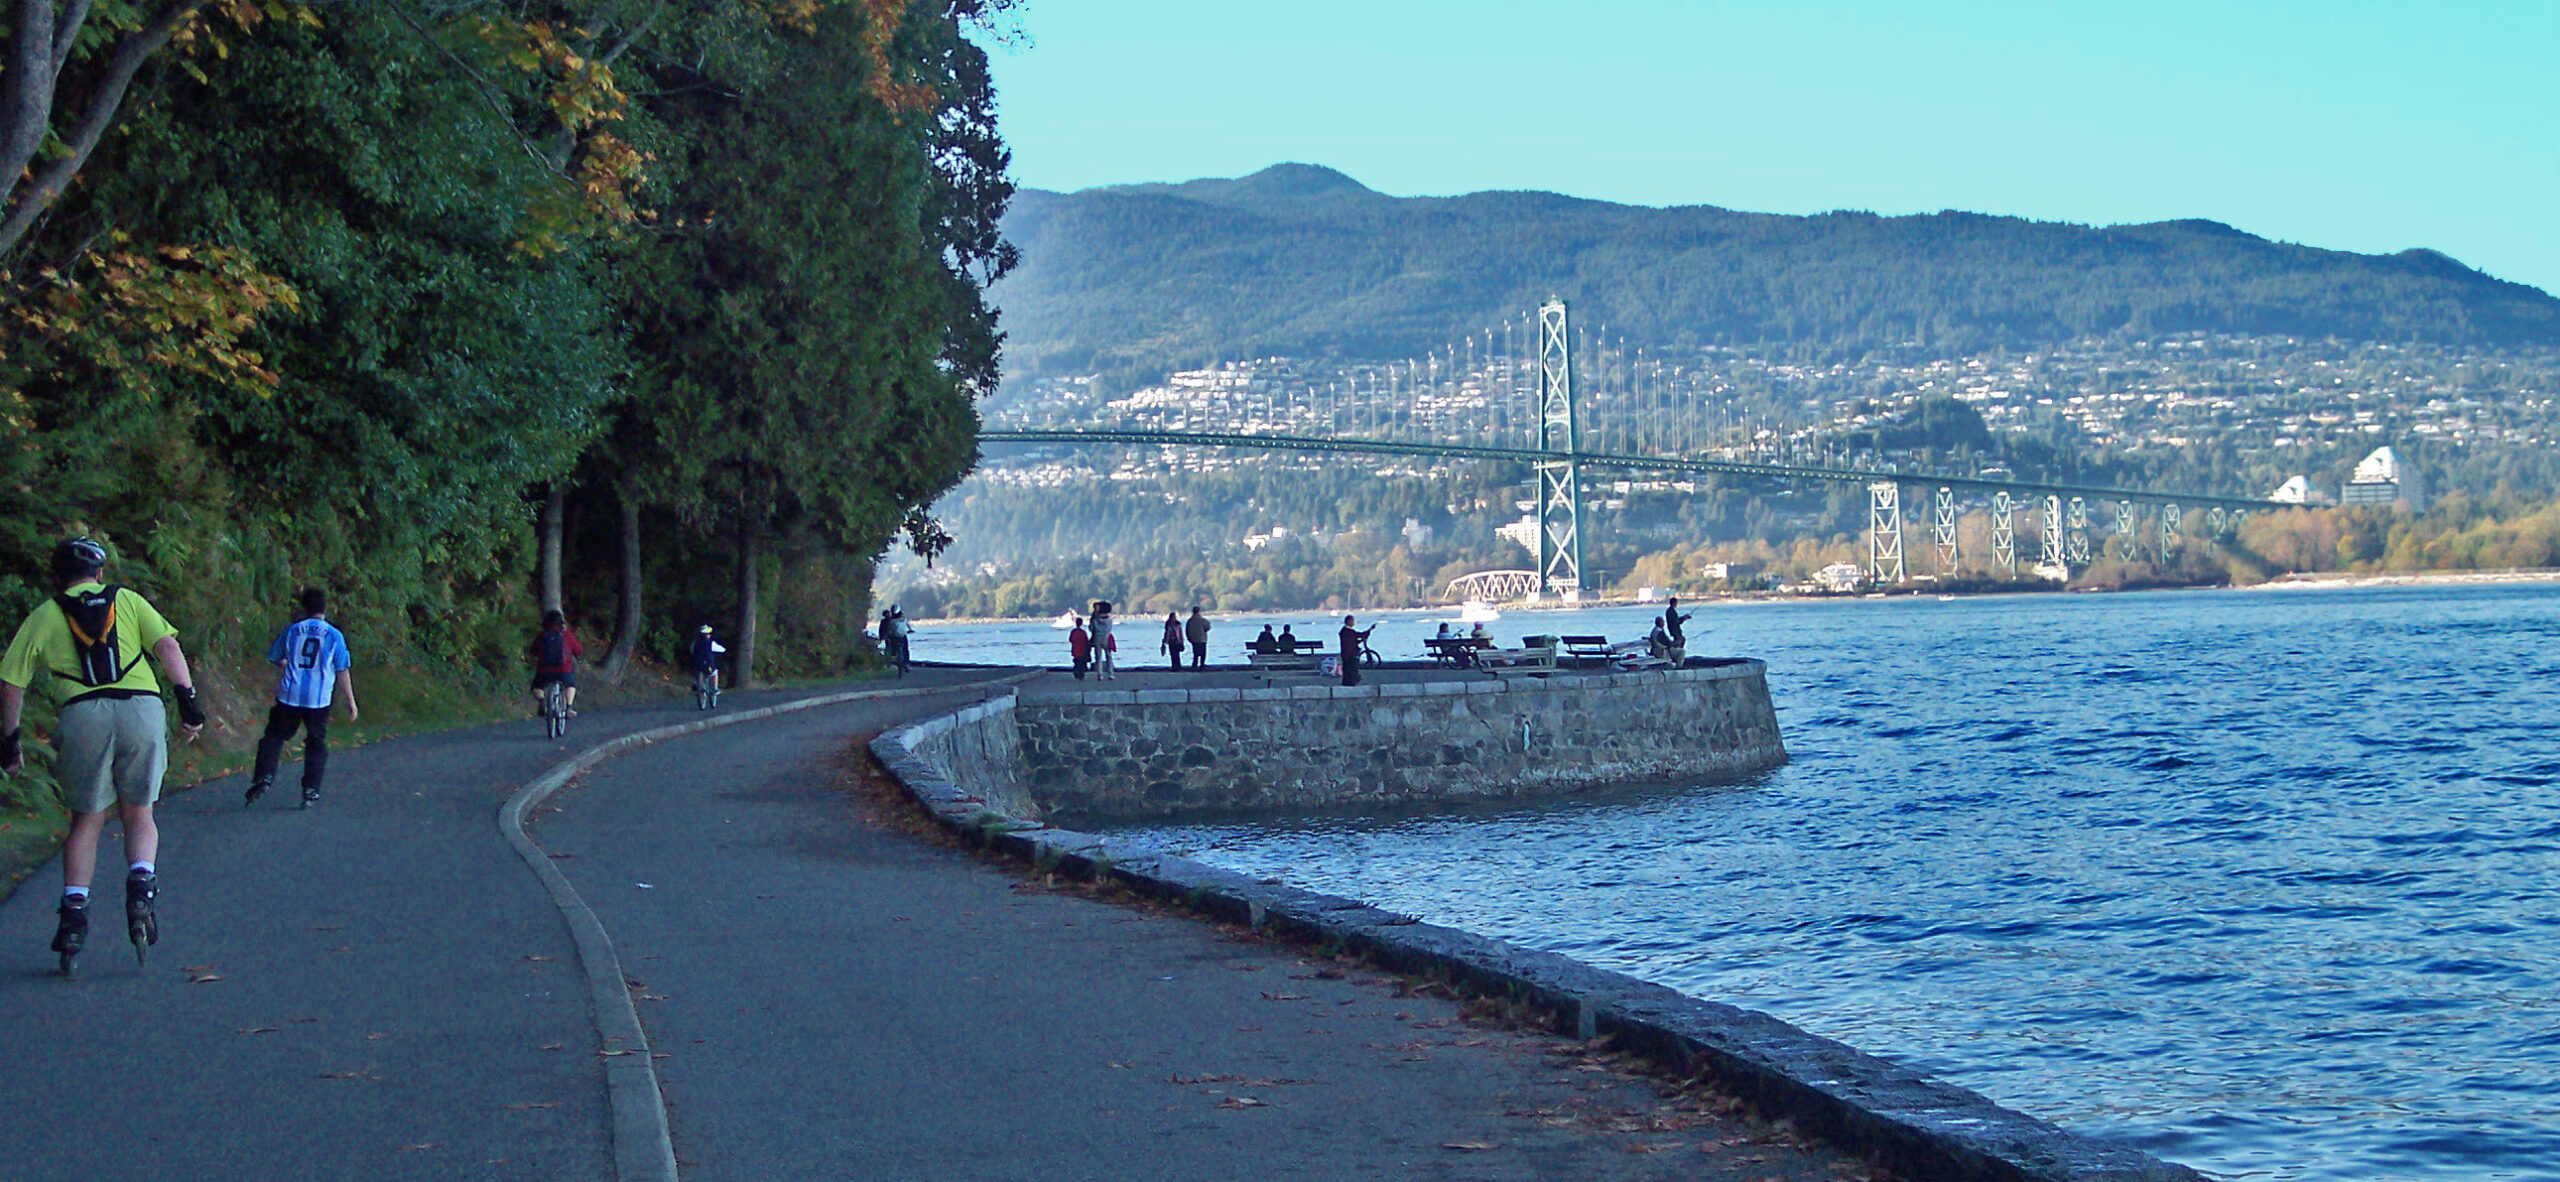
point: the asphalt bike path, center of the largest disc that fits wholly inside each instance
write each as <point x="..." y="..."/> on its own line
<point x="374" y="988"/>
<point x="832" y="998"/>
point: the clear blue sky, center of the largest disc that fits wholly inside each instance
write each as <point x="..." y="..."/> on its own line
<point x="2354" y="126"/>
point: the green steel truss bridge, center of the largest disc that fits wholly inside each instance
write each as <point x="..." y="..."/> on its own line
<point x="1555" y="447"/>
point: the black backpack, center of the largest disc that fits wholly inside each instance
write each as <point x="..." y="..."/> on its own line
<point x="92" y="619"/>
<point x="551" y="649"/>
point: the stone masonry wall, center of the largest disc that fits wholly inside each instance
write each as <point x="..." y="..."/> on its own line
<point x="1166" y="752"/>
<point x="977" y="752"/>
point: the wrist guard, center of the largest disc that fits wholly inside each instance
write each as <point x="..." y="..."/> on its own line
<point x="190" y="711"/>
<point x="10" y="750"/>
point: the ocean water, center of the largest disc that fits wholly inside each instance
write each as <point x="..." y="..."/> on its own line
<point x="2267" y="882"/>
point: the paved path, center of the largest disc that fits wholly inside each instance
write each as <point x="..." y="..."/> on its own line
<point x="386" y="991"/>
<point x="840" y="1000"/>
<point x="379" y="988"/>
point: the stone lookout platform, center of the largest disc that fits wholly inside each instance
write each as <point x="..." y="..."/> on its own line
<point x="1156" y="743"/>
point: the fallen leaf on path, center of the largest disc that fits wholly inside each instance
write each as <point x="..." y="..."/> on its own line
<point x="306" y="1019"/>
<point x="197" y="968"/>
<point x="1242" y="1102"/>
<point x="420" y="1145"/>
<point x="376" y="1036"/>
<point x="648" y="997"/>
<point x="521" y="1105"/>
<point x="338" y="1075"/>
<point x="344" y="948"/>
<point x="541" y="958"/>
<point x="551" y="1046"/>
<point x="1469" y="1146"/>
<point x="204" y="978"/>
<point x="610" y="1054"/>
<point x="562" y="857"/>
<point x="1248" y="1030"/>
<point x="259" y="1030"/>
<point x="1267" y="996"/>
<point x="660" y="1055"/>
<point x="1117" y="1066"/>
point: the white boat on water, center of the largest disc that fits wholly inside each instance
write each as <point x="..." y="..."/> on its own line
<point x="1064" y="621"/>
<point x="1477" y="611"/>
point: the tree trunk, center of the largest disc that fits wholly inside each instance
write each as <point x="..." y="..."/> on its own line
<point x="626" y="637"/>
<point x="748" y="528"/>
<point x="555" y="506"/>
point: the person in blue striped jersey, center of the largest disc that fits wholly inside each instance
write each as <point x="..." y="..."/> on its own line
<point x="310" y="657"/>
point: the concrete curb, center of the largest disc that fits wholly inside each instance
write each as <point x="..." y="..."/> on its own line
<point x="642" y="1150"/>
<point x="1919" y="1127"/>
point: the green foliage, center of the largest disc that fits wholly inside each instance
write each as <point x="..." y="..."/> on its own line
<point x="1303" y="261"/>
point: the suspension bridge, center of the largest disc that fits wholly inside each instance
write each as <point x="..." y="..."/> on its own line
<point x="1522" y="406"/>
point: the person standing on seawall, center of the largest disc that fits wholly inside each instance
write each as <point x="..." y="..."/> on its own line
<point x="1173" y="639"/>
<point x="1080" y="647"/>
<point x="1196" y="629"/>
<point x="309" y="655"/>
<point x="1104" y="643"/>
<point x="1672" y="618"/>
<point x="1352" y="641"/>
<point x="111" y="736"/>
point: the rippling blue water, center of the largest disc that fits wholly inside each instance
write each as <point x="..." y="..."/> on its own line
<point x="2262" y="881"/>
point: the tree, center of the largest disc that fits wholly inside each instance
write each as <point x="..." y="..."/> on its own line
<point x="811" y="321"/>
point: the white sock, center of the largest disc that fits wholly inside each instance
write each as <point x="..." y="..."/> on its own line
<point x="142" y="868"/>
<point x="73" y="892"/>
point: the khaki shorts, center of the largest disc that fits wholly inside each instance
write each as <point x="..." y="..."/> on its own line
<point x="110" y="750"/>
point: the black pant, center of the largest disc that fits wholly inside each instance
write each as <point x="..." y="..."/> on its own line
<point x="1351" y="668"/>
<point x="281" y="721"/>
<point x="1199" y="653"/>
<point x="1081" y="662"/>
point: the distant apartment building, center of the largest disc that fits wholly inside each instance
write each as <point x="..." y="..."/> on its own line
<point x="2381" y="479"/>
<point x="1523" y="531"/>
<point x="1729" y="572"/>
<point x="2298" y="491"/>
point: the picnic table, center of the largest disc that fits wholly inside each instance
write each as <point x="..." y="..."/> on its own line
<point x="1587" y="650"/>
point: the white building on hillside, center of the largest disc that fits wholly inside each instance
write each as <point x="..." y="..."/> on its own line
<point x="2381" y="479"/>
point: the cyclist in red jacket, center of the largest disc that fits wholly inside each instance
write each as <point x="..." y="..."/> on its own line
<point x="555" y="652"/>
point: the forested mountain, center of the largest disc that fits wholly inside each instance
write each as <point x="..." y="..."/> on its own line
<point x="1304" y="261"/>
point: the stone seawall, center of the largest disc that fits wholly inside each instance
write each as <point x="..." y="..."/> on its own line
<point x="1173" y="751"/>
<point x="977" y="747"/>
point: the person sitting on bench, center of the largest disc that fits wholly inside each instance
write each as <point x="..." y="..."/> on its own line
<point x="1265" y="643"/>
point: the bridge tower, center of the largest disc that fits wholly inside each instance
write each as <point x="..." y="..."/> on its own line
<point x="2124" y="529"/>
<point x="2076" y="539"/>
<point x="2004" y="531"/>
<point x="2169" y="516"/>
<point x="2053" y="552"/>
<point x="1942" y="530"/>
<point x="1884" y="531"/>
<point x="1560" y="478"/>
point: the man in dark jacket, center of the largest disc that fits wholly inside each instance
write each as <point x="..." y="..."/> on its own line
<point x="1197" y="629"/>
<point x="1353" y="640"/>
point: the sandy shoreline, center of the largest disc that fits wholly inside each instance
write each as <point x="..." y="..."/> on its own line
<point x="2319" y="582"/>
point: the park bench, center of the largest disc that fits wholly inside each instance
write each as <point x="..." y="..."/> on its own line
<point x="1298" y="655"/>
<point x="1455" y="650"/>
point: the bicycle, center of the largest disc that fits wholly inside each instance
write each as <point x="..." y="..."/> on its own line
<point x="706" y="688"/>
<point x="555" y="711"/>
